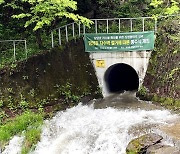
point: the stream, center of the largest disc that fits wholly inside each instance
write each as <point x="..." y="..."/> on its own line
<point x="100" y="127"/>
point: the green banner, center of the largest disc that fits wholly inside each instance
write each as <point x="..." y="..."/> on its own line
<point x="132" y="41"/>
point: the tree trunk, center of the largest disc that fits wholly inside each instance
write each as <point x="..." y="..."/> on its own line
<point x="39" y="39"/>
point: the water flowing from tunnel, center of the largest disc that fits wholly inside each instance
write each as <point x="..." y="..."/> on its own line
<point x="101" y="127"/>
<point x="121" y="77"/>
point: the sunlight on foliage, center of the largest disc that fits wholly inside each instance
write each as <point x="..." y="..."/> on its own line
<point x="156" y="3"/>
<point x="174" y="8"/>
<point x="165" y="7"/>
<point x="44" y="12"/>
<point x="1" y="1"/>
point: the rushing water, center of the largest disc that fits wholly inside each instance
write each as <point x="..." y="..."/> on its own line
<point x="14" y="146"/>
<point x="103" y="127"/>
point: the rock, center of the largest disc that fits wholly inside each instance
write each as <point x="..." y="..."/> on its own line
<point x="155" y="147"/>
<point x="162" y="149"/>
<point x="173" y="132"/>
<point x="140" y="145"/>
<point x="86" y="99"/>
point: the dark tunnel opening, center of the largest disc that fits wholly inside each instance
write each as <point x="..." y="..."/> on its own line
<point x="121" y="77"/>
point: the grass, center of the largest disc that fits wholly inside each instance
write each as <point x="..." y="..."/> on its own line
<point x="31" y="138"/>
<point x="28" y="124"/>
<point x="167" y="102"/>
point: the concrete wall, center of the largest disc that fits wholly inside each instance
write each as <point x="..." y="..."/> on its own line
<point x="42" y="76"/>
<point x="138" y="60"/>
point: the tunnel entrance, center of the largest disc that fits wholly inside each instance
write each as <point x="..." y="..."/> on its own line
<point x="120" y="77"/>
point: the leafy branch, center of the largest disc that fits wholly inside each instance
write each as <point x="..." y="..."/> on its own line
<point x="162" y="7"/>
<point x="44" y="12"/>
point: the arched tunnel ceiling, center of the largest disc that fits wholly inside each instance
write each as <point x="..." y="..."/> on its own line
<point x="120" y="77"/>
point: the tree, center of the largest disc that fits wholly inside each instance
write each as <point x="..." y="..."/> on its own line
<point x="122" y="8"/>
<point x="1" y="1"/>
<point x="38" y="15"/>
<point x="44" y="12"/>
<point x="165" y="7"/>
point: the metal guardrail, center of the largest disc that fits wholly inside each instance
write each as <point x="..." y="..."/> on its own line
<point x="70" y="29"/>
<point x="14" y="46"/>
<point x="76" y="29"/>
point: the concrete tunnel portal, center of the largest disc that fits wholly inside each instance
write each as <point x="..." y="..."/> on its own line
<point x="121" y="77"/>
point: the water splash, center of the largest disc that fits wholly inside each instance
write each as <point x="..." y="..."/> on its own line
<point x="85" y="130"/>
<point x="14" y="146"/>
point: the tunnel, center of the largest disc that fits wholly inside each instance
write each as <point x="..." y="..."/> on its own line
<point x="121" y="77"/>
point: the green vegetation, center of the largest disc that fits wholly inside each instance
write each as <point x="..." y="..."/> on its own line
<point x="33" y="21"/>
<point x="142" y="91"/>
<point x="17" y="125"/>
<point x="163" y="70"/>
<point x="168" y="102"/>
<point x="32" y="137"/>
<point x="49" y="82"/>
<point x="170" y="75"/>
<point x="137" y="8"/>
<point x="163" y="7"/>
<point x="66" y="92"/>
<point x="131" y="152"/>
<point x="43" y="13"/>
<point x="28" y="124"/>
<point x="116" y="8"/>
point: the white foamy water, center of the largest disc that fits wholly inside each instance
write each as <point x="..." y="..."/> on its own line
<point x="85" y="130"/>
<point x="14" y="146"/>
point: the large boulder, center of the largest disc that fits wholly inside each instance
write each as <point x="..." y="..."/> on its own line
<point x="140" y="145"/>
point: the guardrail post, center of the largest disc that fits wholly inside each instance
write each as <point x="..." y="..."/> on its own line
<point x="131" y="24"/>
<point x="59" y="31"/>
<point x="66" y="33"/>
<point x="79" y="29"/>
<point x="96" y="26"/>
<point x="52" y="39"/>
<point x="119" y="25"/>
<point x="84" y="29"/>
<point x="143" y="24"/>
<point x="104" y="22"/>
<point x="107" y="23"/>
<point x="25" y="46"/>
<point x="14" y="45"/>
<point x="73" y="29"/>
<point x="155" y="26"/>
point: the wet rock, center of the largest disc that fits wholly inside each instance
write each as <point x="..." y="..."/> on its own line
<point x="162" y="149"/>
<point x="140" y="145"/>
<point x="155" y="147"/>
<point x="86" y="99"/>
<point x="172" y="130"/>
<point x="171" y="133"/>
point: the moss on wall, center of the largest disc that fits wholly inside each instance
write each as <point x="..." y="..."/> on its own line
<point x="65" y="72"/>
